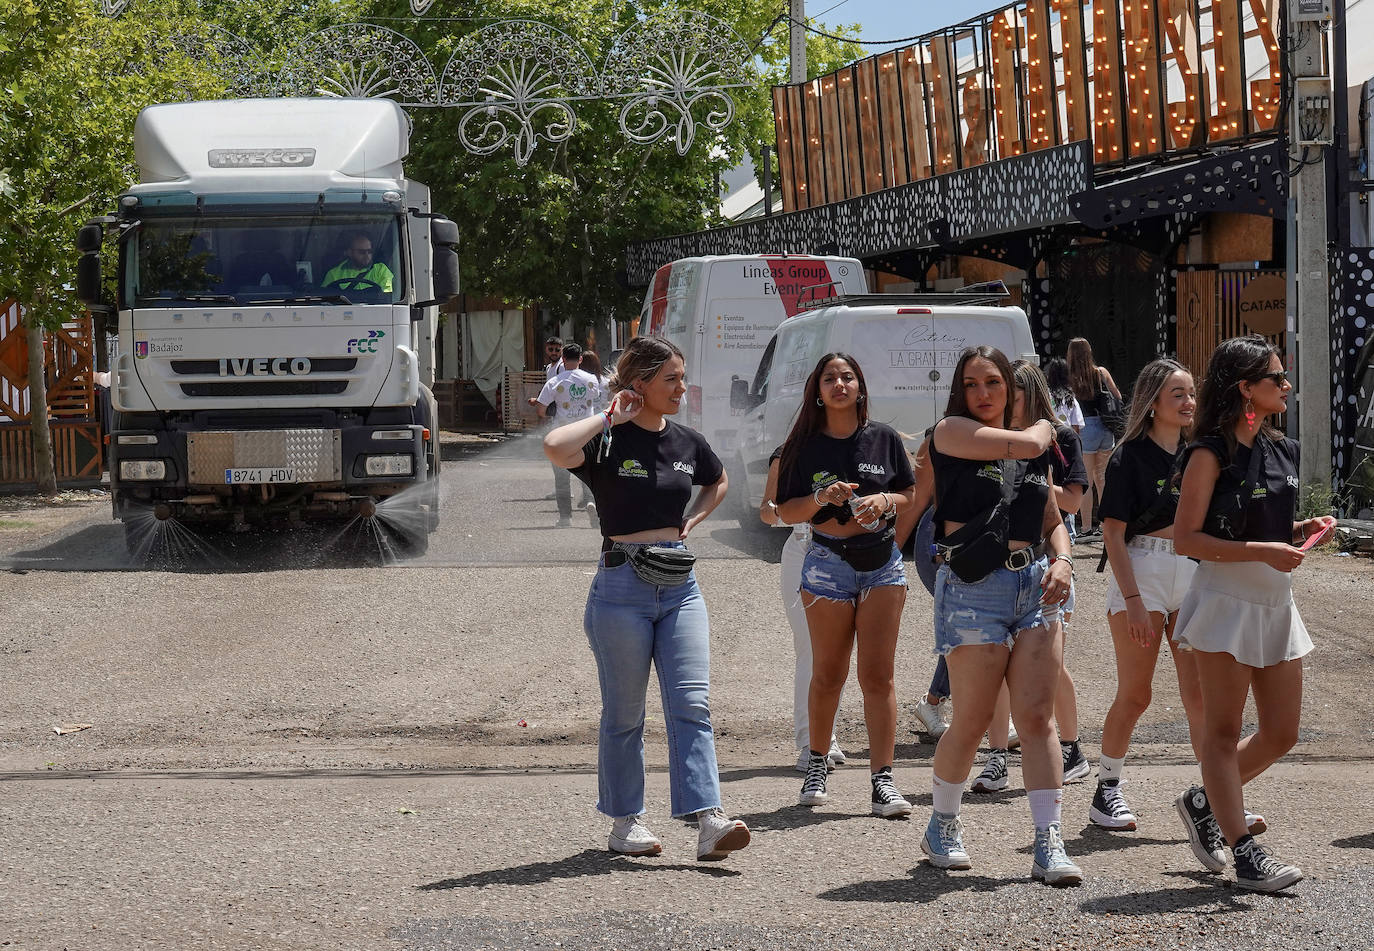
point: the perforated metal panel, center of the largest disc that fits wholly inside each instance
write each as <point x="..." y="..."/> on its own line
<point x="314" y="454"/>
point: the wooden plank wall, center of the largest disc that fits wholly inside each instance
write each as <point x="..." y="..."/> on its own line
<point x="1139" y="78"/>
<point x="1209" y="312"/>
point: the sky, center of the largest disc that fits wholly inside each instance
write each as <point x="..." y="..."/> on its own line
<point x="894" y="19"/>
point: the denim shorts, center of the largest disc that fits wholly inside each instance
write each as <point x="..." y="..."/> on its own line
<point x="826" y="575"/>
<point x="1096" y="437"/>
<point x="991" y="611"/>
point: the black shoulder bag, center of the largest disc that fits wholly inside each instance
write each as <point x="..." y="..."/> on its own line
<point x="1156" y="509"/>
<point x="1110" y="408"/>
<point x="1229" y="511"/>
<point x="980" y="546"/>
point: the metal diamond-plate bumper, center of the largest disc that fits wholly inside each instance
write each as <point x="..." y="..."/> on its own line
<point x="314" y="454"/>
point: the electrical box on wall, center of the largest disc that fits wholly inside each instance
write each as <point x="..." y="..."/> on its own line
<point x="1312" y="110"/>
<point x="1306" y="11"/>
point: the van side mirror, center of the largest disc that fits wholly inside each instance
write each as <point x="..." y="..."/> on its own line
<point x="89" y="238"/>
<point x="740" y="398"/>
<point x="88" y="279"/>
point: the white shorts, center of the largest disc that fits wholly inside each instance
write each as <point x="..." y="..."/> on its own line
<point x="1162" y="577"/>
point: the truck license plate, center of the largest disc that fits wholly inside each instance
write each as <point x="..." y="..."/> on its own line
<point x="258" y="474"/>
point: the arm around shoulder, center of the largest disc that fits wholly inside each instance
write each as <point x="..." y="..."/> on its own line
<point x="969" y="439"/>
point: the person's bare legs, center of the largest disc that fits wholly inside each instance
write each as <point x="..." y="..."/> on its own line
<point x="976" y="673"/>
<point x="832" y="641"/>
<point x="1032" y="678"/>
<point x="875" y="629"/>
<point x="1135" y="670"/>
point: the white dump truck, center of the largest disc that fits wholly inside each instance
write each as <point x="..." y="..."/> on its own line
<point x="277" y="288"/>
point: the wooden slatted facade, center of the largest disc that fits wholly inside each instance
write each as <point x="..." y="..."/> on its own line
<point x="1139" y="78"/>
<point x="72" y="410"/>
<point x="1209" y="312"/>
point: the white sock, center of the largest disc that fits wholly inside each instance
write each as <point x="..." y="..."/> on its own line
<point x="1045" y="806"/>
<point x="947" y="796"/>
<point x="1109" y="767"/>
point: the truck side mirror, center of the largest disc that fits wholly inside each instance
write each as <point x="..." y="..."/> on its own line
<point x="443" y="235"/>
<point x="88" y="279"/>
<point x="89" y="238"/>
<point x="739" y="395"/>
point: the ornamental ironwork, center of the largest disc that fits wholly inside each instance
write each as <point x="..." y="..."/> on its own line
<point x="669" y="77"/>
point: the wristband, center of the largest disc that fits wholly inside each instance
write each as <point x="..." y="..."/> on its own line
<point x="816" y="497"/>
<point x="1129" y="596"/>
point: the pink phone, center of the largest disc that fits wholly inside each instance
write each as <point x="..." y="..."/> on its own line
<point x="1313" y="539"/>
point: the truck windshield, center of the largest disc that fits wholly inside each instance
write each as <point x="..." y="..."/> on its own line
<point x="264" y="260"/>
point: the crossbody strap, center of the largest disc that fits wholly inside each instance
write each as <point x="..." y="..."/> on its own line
<point x="1001" y="511"/>
<point x="1161" y="502"/>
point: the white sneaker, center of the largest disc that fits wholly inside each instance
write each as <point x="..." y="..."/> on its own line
<point x="718" y="836"/>
<point x="592" y="517"/>
<point x="836" y="755"/>
<point x="1013" y="740"/>
<point x="932" y="723"/>
<point x="630" y="836"/>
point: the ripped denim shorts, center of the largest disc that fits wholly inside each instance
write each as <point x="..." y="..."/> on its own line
<point x="826" y="575"/>
<point x="991" y="611"/>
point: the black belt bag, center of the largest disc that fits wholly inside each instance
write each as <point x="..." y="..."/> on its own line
<point x="979" y="548"/>
<point x="863" y="552"/>
<point x="661" y="565"/>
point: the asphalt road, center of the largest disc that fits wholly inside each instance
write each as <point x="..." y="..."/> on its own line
<point x="305" y="741"/>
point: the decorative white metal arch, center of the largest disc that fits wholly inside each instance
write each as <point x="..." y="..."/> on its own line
<point x="517" y="82"/>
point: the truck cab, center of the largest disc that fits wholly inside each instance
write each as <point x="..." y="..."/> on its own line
<point x="277" y="284"/>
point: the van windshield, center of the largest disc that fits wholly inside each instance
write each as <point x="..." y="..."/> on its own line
<point x="225" y="262"/>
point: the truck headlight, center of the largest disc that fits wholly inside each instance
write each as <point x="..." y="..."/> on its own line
<point x="390" y="465"/>
<point x="142" y="469"/>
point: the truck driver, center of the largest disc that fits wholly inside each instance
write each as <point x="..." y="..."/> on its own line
<point x="357" y="270"/>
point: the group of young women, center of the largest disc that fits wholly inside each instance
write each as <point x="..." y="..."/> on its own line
<point x="1002" y="484"/>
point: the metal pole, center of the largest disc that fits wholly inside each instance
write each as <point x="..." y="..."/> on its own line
<point x="767" y="180"/>
<point x="796" y="48"/>
<point x="1309" y="304"/>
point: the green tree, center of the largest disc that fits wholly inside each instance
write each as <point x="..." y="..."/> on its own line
<point x="71" y="83"/>
<point x="555" y="230"/>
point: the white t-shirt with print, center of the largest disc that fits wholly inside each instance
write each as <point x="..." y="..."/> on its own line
<point x="577" y="393"/>
<point x="1070" y="413"/>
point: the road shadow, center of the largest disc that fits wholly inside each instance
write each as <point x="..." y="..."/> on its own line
<point x="1365" y="841"/>
<point x="1093" y="839"/>
<point x="925" y="884"/>
<point x="791" y="816"/>
<point x="1212" y="895"/>
<point x="581" y="865"/>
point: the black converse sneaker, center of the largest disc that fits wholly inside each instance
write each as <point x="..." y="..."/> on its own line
<point x="994" y="774"/>
<point x="813" y="786"/>
<point x="1109" y="809"/>
<point x="1259" y="871"/>
<point x="887" y="801"/>
<point x="1204" y="835"/>
<point x="1075" y="763"/>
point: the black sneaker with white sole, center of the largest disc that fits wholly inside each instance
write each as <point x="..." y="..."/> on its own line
<point x="813" y="786"/>
<point x="1075" y="763"/>
<point x="887" y="801"/>
<point x="994" y="774"/>
<point x="1259" y="871"/>
<point x="1109" y="809"/>
<point x="1204" y="835"/>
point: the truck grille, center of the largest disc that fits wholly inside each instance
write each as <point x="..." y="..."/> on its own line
<point x="317" y="365"/>
<point x="265" y="388"/>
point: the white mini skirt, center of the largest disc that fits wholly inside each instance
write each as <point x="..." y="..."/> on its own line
<point x="1244" y="609"/>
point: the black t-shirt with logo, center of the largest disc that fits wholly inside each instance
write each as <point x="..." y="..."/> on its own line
<point x="1069" y="470"/>
<point x="645" y="481"/>
<point x="966" y="488"/>
<point x="1274" y="497"/>
<point x="1135" y="476"/>
<point x="872" y="456"/>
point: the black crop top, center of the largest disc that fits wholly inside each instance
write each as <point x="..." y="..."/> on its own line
<point x="1070" y="470"/>
<point x="873" y="456"/>
<point x="1274" y="498"/>
<point x="646" y="479"/>
<point x="966" y="488"/>
<point x="1135" y="476"/>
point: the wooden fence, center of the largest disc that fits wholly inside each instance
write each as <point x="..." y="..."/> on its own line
<point x="74" y="416"/>
<point x="1210" y="310"/>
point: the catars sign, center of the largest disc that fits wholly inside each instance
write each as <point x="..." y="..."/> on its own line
<point x="1264" y="304"/>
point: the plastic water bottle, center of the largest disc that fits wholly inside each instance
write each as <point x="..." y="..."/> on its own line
<point x="866" y="526"/>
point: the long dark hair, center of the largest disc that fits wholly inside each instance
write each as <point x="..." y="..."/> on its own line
<point x="1057" y="376"/>
<point x="958" y="402"/>
<point x="1084" y="378"/>
<point x="641" y="361"/>
<point x="1220" y="405"/>
<point x="811" y="416"/>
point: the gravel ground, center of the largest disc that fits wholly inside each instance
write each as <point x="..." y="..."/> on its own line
<point x="298" y="745"/>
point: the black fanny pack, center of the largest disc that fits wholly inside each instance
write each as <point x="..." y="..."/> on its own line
<point x="663" y="565"/>
<point x="862" y="552"/>
<point x="980" y="547"/>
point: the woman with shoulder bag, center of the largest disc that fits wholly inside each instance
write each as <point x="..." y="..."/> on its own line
<point x="995" y="599"/>
<point x="850" y="477"/>
<point x="1236" y="515"/>
<point x="644" y="607"/>
<point x="1089" y="383"/>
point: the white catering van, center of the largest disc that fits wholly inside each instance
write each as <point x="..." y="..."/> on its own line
<point x="722" y="310"/>
<point x="906" y="345"/>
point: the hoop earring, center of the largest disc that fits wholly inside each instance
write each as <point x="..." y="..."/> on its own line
<point x="819" y="401"/>
<point x="860" y="399"/>
<point x="1249" y="413"/>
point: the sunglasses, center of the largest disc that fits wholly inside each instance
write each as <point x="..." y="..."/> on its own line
<point x="1280" y="377"/>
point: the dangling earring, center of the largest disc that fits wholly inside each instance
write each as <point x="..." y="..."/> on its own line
<point x="860" y="399"/>
<point x="1152" y="412"/>
<point x="819" y="401"/>
<point x="1249" y="413"/>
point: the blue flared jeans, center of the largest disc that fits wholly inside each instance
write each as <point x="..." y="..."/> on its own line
<point x="631" y="624"/>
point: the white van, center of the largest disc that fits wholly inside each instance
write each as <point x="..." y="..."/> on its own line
<point x="722" y="310"/>
<point x="907" y="346"/>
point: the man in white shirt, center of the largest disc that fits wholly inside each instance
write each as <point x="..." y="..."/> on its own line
<point x="575" y="394"/>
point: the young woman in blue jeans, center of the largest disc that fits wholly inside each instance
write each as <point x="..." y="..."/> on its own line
<point x="999" y="627"/>
<point x="641" y="467"/>
<point x="1088" y="380"/>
